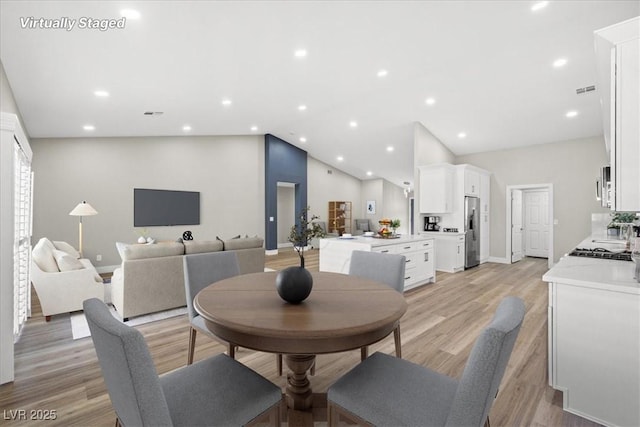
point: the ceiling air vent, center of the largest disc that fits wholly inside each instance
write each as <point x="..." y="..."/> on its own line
<point x="583" y="90"/>
<point x="153" y="113"/>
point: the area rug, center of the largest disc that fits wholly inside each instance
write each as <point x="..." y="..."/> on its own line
<point x="80" y="328"/>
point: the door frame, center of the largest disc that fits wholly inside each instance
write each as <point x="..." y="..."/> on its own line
<point x="510" y="188"/>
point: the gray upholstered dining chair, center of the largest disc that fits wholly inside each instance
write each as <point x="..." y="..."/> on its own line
<point x="385" y="268"/>
<point x="201" y="270"/>
<point x="362" y="226"/>
<point x="388" y="391"/>
<point x="214" y="391"/>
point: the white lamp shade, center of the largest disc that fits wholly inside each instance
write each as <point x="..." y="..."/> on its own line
<point x="83" y="209"/>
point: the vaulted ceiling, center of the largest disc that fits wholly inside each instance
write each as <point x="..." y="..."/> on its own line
<point x="343" y="80"/>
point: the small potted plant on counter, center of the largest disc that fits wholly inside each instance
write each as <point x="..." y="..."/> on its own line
<point x="618" y="218"/>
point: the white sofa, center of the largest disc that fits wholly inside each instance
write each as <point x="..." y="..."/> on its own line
<point x="62" y="279"/>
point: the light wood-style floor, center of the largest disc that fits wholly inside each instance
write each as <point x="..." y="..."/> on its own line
<point x="56" y="373"/>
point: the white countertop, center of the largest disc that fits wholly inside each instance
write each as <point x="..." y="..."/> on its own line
<point x="437" y="234"/>
<point x="603" y="274"/>
<point x="376" y="241"/>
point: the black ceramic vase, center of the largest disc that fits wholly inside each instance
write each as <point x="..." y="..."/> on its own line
<point x="294" y="284"/>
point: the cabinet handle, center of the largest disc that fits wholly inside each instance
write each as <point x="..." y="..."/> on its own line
<point x="458" y="249"/>
<point x="426" y="256"/>
<point x="407" y="277"/>
<point x="407" y="247"/>
<point x="385" y="251"/>
<point x="407" y="261"/>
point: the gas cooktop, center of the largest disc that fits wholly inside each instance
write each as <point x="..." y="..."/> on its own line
<point x="601" y="253"/>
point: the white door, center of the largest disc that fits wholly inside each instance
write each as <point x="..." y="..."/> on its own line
<point x="516" y="225"/>
<point x="536" y="223"/>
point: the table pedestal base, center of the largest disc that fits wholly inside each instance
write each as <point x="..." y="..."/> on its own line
<point x="298" y="392"/>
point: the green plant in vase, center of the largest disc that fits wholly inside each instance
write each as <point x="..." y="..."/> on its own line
<point x="304" y="231"/>
<point x="395" y="224"/>
<point x="294" y="284"/>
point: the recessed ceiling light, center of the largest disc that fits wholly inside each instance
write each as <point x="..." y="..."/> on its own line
<point x="572" y="113"/>
<point x="302" y="107"/>
<point x="300" y="53"/>
<point x="539" y="5"/>
<point x="89" y="128"/>
<point x="130" y="13"/>
<point x="340" y="158"/>
<point x="560" y="62"/>
<point x="226" y="102"/>
<point x="303" y="139"/>
<point x="390" y="148"/>
<point x="430" y="101"/>
<point x="254" y="128"/>
<point x="353" y="124"/>
<point x="462" y="135"/>
<point x="369" y="173"/>
<point x="186" y="128"/>
<point x="101" y="93"/>
<point x="382" y="73"/>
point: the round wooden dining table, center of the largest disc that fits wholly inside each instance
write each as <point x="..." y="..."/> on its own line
<point x="342" y="313"/>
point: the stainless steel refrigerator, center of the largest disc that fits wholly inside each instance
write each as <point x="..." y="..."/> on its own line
<point x="472" y="231"/>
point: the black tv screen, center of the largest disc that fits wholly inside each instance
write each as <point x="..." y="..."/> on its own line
<point x="165" y="207"/>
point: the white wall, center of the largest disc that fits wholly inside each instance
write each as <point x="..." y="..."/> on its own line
<point x="572" y="168"/>
<point x="228" y="171"/>
<point x="322" y="187"/>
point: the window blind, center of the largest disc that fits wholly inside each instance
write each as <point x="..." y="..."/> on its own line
<point x="22" y="240"/>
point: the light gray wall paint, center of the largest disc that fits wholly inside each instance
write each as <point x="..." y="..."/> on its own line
<point x="373" y="189"/>
<point x="228" y="171"/>
<point x="427" y="150"/>
<point x="571" y="166"/>
<point x="395" y="205"/>
<point x="323" y="187"/>
<point x="7" y="100"/>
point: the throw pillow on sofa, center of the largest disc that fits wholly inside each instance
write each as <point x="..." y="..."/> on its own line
<point x="66" y="262"/>
<point x="65" y="247"/>
<point x="42" y="255"/>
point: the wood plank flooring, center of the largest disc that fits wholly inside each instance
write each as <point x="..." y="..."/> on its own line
<point x="56" y="373"/>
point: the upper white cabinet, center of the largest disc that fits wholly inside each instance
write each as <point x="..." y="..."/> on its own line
<point x="436" y="188"/>
<point x="471" y="183"/>
<point x="618" y="58"/>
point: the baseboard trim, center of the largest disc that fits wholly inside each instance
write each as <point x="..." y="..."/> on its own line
<point x="270" y="252"/>
<point x="499" y="260"/>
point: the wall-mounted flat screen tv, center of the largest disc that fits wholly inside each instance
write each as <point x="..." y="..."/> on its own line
<point x="165" y="207"/>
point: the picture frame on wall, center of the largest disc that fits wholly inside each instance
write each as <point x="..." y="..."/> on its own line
<point x="371" y="207"/>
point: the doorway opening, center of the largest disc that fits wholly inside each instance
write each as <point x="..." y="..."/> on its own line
<point x="529" y="220"/>
<point x="286" y="208"/>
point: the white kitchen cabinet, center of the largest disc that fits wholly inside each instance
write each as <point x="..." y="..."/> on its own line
<point x="450" y="252"/>
<point x="436" y="188"/>
<point x="618" y="59"/>
<point x="335" y="255"/>
<point x="594" y="338"/>
<point x="471" y="183"/>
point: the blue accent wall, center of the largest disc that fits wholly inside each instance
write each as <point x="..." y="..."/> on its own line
<point x="283" y="163"/>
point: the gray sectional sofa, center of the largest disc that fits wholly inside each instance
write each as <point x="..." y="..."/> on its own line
<point x="151" y="277"/>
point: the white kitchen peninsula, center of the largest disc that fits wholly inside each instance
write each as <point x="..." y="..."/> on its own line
<point x="335" y="255"/>
<point x="594" y="337"/>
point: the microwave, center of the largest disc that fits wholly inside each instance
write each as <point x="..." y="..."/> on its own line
<point x="603" y="187"/>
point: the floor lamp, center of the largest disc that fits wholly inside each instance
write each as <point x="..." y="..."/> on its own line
<point x="83" y="209"/>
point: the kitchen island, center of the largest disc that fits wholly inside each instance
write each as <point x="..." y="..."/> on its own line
<point x="594" y="336"/>
<point x="335" y="255"/>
